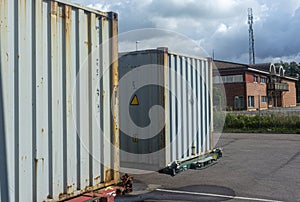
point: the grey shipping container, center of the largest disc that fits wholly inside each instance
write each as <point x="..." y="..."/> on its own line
<point x="56" y="123"/>
<point x="165" y="108"/>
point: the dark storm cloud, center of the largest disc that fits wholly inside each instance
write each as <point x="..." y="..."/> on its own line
<point x="219" y="25"/>
<point x="278" y="36"/>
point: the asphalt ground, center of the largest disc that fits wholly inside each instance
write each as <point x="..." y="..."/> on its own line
<point x="254" y="167"/>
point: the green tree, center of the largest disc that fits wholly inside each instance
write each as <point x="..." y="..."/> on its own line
<point x="291" y="69"/>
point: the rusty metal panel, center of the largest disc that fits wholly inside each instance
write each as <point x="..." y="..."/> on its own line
<point x="186" y="104"/>
<point x="106" y="99"/>
<point x="57" y="60"/>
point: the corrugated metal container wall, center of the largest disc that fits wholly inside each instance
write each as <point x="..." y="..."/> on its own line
<point x="54" y="142"/>
<point x="183" y="88"/>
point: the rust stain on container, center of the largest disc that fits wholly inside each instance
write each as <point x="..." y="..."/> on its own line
<point x="36" y="160"/>
<point x="42" y="80"/>
<point x="68" y="13"/>
<point x="68" y="30"/>
<point x="97" y="180"/>
<point x="115" y="93"/>
<point x="54" y="8"/>
<point x="61" y="196"/>
<point x="108" y="175"/>
<point x="69" y="188"/>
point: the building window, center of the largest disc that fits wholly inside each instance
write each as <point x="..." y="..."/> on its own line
<point x="264" y="99"/>
<point x="250" y="101"/>
<point x="239" y="102"/>
<point x="263" y="80"/>
<point x="228" y="79"/>
<point x="255" y="78"/>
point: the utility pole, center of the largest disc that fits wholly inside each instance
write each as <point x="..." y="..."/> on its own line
<point x="251" y="37"/>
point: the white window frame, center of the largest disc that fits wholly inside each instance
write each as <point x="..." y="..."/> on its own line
<point x="251" y="102"/>
<point x="264" y="101"/>
<point x="263" y="78"/>
<point x="228" y="79"/>
<point x="255" y="78"/>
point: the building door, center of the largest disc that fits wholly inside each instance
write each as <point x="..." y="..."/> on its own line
<point x="270" y="101"/>
<point x="239" y="103"/>
<point x="279" y="100"/>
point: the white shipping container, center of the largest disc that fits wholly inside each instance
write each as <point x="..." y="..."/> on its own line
<point x="165" y="108"/>
<point x="58" y="125"/>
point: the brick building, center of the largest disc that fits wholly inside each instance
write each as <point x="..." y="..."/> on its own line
<point x="249" y="87"/>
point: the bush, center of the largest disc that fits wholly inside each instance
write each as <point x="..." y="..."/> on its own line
<point x="265" y="121"/>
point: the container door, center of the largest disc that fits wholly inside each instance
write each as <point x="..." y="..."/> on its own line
<point x="141" y="112"/>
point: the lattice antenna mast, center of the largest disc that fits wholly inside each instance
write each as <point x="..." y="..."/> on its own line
<point x="251" y="37"/>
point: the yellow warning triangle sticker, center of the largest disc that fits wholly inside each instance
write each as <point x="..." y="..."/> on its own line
<point x="134" y="101"/>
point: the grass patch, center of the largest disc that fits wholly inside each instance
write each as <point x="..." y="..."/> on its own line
<point x="265" y="123"/>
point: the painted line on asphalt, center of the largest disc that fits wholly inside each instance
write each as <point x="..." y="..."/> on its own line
<point x="217" y="195"/>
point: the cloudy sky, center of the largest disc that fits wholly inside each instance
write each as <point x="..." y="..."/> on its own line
<point x="219" y="25"/>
